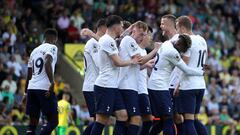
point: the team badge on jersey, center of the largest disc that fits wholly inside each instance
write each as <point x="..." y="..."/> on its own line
<point x="53" y="50"/>
<point x="134" y="48"/>
<point x="113" y="47"/>
<point x="95" y="48"/>
<point x="177" y="58"/>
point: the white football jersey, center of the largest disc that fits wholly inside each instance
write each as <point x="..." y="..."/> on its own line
<point x="40" y="80"/>
<point x="142" y="77"/>
<point x="167" y="58"/>
<point x="128" y="77"/>
<point x="90" y="64"/>
<point x="108" y="72"/>
<point x="198" y="56"/>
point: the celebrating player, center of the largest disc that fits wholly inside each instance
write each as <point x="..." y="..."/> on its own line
<point x="167" y="58"/>
<point x="40" y="84"/>
<point x="92" y="71"/>
<point x="192" y="91"/>
<point x="108" y="97"/>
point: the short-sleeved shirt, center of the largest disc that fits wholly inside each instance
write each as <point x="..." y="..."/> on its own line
<point x="90" y="64"/>
<point x="142" y="77"/>
<point x="108" y="72"/>
<point x="198" y="56"/>
<point x="129" y="75"/>
<point x="167" y="58"/>
<point x="40" y="80"/>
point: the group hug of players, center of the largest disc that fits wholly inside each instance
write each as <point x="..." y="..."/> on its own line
<point x="123" y="81"/>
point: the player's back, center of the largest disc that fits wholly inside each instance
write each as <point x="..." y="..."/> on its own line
<point x="90" y="64"/>
<point x="198" y="56"/>
<point x="108" y="72"/>
<point x="160" y="76"/>
<point x="37" y="61"/>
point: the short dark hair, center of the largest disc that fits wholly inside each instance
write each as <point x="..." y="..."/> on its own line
<point x="186" y="39"/>
<point x="126" y="24"/>
<point x="112" y="20"/>
<point x="50" y="32"/>
<point x="185" y="21"/>
<point x="150" y="29"/>
<point x="101" y="22"/>
<point x="171" y="17"/>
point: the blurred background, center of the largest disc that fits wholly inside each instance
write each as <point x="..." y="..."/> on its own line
<point x="23" y="21"/>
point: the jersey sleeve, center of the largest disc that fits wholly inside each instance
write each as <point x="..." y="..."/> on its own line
<point x="176" y="60"/>
<point x="133" y="49"/>
<point x="52" y="50"/>
<point x="110" y="48"/>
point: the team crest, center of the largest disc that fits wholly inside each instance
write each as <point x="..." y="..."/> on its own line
<point x="113" y="47"/>
<point x="95" y="48"/>
<point x="133" y="47"/>
<point x="177" y="58"/>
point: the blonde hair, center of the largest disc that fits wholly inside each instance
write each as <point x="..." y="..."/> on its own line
<point x="141" y="25"/>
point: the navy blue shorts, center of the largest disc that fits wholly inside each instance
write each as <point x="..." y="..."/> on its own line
<point x="37" y="102"/>
<point x="161" y="103"/>
<point x="190" y="101"/>
<point x="175" y="101"/>
<point x="108" y="100"/>
<point x="90" y="101"/>
<point x="144" y="104"/>
<point x="130" y="98"/>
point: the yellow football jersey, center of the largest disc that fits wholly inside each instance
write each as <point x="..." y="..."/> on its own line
<point x="64" y="108"/>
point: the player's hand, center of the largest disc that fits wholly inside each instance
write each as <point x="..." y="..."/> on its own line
<point x="86" y="32"/>
<point x="150" y="63"/>
<point x="137" y="59"/>
<point x="50" y="91"/>
<point x="157" y="45"/>
<point x="176" y="92"/>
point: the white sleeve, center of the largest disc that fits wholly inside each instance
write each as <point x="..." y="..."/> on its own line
<point x="110" y="48"/>
<point x="175" y="59"/>
<point x="52" y="51"/>
<point x="133" y="49"/>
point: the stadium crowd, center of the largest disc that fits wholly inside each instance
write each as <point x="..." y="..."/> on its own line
<point x="22" y="22"/>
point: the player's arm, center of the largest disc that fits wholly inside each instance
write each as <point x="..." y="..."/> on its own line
<point x="121" y="63"/>
<point x="90" y="33"/>
<point x="151" y="55"/>
<point x="149" y="64"/>
<point x="29" y="77"/>
<point x="175" y="59"/>
<point x="49" y="70"/>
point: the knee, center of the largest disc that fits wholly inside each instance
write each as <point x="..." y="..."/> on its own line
<point x="178" y="119"/>
<point x="189" y="116"/>
<point x="136" y="120"/>
<point x="122" y="116"/>
<point x="103" y="119"/>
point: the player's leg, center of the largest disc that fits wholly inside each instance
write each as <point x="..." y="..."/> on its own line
<point x="156" y="128"/>
<point x="146" y="114"/>
<point x="130" y="98"/>
<point x="188" y="104"/>
<point x="90" y="101"/>
<point x="166" y="112"/>
<point x="201" y="129"/>
<point x="104" y="108"/>
<point x="49" y="109"/>
<point x="178" y="118"/>
<point x="121" y="115"/>
<point x="33" y="110"/>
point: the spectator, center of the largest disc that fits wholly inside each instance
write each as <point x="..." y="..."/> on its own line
<point x="9" y="84"/>
<point x="77" y="19"/>
<point x="73" y="33"/>
<point x="3" y="73"/>
<point x="12" y="63"/>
